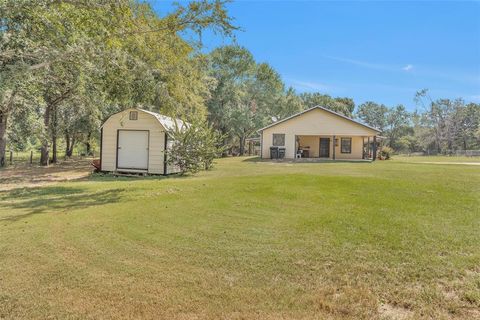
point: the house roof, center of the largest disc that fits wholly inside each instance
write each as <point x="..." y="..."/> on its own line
<point x="321" y="108"/>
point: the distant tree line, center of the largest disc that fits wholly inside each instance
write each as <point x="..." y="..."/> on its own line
<point x="440" y="126"/>
<point x="65" y="66"/>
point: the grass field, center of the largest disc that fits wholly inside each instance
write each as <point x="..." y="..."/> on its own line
<point x="247" y="240"/>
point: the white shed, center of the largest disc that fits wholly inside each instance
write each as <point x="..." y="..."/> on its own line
<point x="136" y="140"/>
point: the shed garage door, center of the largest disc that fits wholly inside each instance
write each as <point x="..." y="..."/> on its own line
<point x="132" y="149"/>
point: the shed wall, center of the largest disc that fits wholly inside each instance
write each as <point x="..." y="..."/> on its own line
<point x="120" y="121"/>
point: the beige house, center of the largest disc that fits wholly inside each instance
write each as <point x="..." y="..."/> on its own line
<point x="319" y="133"/>
<point x="136" y="140"/>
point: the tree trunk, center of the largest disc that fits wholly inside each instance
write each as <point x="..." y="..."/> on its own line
<point x="54" y="148"/>
<point x="225" y="142"/>
<point x="67" y="144"/>
<point x="70" y="150"/>
<point x="45" y="154"/>
<point x="242" y="145"/>
<point x="54" y="135"/>
<point x="88" y="146"/>
<point x="3" y="137"/>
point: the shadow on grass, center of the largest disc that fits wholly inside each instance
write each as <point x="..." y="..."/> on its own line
<point x="109" y="177"/>
<point x="32" y="201"/>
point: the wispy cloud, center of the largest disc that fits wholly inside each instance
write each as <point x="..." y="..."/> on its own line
<point x="360" y="63"/>
<point x="309" y="85"/>
<point x="475" y="97"/>
<point x="372" y="65"/>
<point x="450" y="75"/>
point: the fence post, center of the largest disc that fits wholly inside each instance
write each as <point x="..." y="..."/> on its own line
<point x="31" y="157"/>
<point x="11" y="157"/>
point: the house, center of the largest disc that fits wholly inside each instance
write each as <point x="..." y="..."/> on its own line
<point x="136" y="140"/>
<point x="319" y="133"/>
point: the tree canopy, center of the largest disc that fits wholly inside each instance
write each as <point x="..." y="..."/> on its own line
<point x="66" y="65"/>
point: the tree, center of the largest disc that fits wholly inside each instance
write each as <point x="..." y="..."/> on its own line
<point x="261" y="96"/>
<point x="446" y="125"/>
<point x="373" y="114"/>
<point x="398" y="125"/>
<point x="246" y="96"/>
<point x="118" y="51"/>
<point x="344" y="106"/>
<point x="468" y="123"/>
<point x="290" y="103"/>
<point x="230" y="66"/>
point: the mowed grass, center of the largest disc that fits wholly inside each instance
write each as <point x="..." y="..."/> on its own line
<point x="247" y="240"/>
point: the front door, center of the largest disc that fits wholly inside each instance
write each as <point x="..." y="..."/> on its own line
<point x="324" y="147"/>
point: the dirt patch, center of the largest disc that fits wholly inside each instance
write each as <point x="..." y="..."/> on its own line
<point x="25" y="176"/>
<point x="390" y="312"/>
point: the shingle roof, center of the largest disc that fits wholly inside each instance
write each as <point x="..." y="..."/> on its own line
<point x="321" y="108"/>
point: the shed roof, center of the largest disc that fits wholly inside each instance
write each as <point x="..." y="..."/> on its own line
<point x="167" y="122"/>
<point x="321" y="108"/>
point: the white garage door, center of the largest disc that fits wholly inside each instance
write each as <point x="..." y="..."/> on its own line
<point x="132" y="149"/>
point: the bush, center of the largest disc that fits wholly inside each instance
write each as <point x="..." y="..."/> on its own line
<point x="194" y="147"/>
<point x="385" y="153"/>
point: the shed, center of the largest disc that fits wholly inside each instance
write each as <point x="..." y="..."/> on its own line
<point x="137" y="140"/>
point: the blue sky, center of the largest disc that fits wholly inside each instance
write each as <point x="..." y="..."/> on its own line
<point x="368" y="50"/>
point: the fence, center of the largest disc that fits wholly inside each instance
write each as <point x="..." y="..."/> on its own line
<point x="468" y="153"/>
<point x="458" y="153"/>
<point x="33" y="157"/>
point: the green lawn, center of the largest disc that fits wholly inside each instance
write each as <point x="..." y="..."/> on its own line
<point x="248" y="240"/>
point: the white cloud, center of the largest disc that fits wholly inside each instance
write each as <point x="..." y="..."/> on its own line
<point x="407" y="68"/>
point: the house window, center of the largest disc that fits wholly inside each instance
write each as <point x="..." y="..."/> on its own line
<point x="133" y="115"/>
<point x="346" y="145"/>
<point x="278" y="139"/>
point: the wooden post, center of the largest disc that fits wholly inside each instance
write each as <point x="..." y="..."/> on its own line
<point x="334" y="147"/>
<point x="11" y="157"/>
<point x="31" y="157"/>
<point x="374" y="148"/>
<point x="368" y="148"/>
<point x="363" y="147"/>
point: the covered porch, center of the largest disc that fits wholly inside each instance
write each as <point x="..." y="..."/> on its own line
<point x="336" y="147"/>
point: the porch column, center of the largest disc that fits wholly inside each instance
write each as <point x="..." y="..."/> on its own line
<point x="368" y="147"/>
<point x="334" y="147"/>
<point x="374" y="148"/>
<point x="363" y="147"/>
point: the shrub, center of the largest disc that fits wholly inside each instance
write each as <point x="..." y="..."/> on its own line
<point x="194" y="147"/>
<point x="385" y="153"/>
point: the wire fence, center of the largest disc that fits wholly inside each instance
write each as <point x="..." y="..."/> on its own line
<point x="448" y="153"/>
<point x="32" y="157"/>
